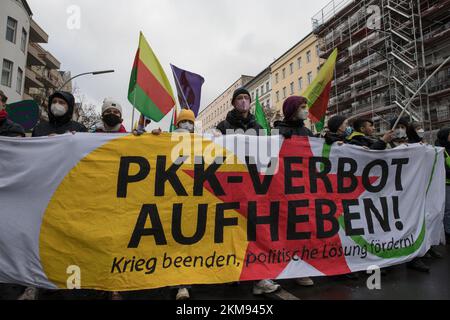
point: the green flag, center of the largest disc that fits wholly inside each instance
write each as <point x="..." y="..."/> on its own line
<point x="260" y="116"/>
<point x="173" y="126"/>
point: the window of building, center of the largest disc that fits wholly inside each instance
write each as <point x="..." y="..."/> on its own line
<point x="23" y="43"/>
<point x="11" y="30"/>
<point x="268" y="86"/>
<point x="300" y="84"/>
<point x="276" y="77"/>
<point x="284" y="93"/>
<point x="268" y="103"/>
<point x="278" y="96"/>
<point x="257" y="93"/>
<point x="262" y="90"/>
<point x="317" y="50"/>
<point x="7" y="73"/>
<point x="19" y="81"/>
<point x="284" y="73"/>
<point x="308" y="56"/>
<point x="299" y="62"/>
<point x="310" y="77"/>
<point x="292" y="88"/>
<point x="291" y="68"/>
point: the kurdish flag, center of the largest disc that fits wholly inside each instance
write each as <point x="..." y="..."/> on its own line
<point x="149" y="91"/>
<point x="318" y="92"/>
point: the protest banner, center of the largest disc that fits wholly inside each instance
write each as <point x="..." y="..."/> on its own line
<point x="153" y="211"/>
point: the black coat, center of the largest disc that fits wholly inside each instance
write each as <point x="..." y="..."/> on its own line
<point x="331" y="137"/>
<point x="291" y="128"/>
<point x="234" y="121"/>
<point x="442" y="141"/>
<point x="47" y="128"/>
<point x="11" y="129"/>
<point x="359" y="139"/>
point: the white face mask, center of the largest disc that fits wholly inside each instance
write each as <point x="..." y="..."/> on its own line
<point x="421" y="133"/>
<point x="58" y="110"/>
<point x="302" y="114"/>
<point x="187" y="126"/>
<point x="400" y="133"/>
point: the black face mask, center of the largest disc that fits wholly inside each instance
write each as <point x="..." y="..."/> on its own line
<point x="111" y="120"/>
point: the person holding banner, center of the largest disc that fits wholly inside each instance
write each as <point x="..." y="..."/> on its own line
<point x="7" y="127"/>
<point x="185" y="124"/>
<point x="415" y="132"/>
<point x="400" y="135"/>
<point x="61" y="106"/>
<point x="362" y="135"/>
<point x="443" y="140"/>
<point x="295" y="113"/>
<point x="240" y="117"/>
<point x="111" y="118"/>
<point x="339" y="130"/>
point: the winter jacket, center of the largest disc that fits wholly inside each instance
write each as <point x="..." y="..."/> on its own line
<point x="11" y="129"/>
<point x="360" y="139"/>
<point x="289" y="128"/>
<point x="234" y="121"/>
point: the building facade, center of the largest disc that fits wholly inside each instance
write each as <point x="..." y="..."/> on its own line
<point x="28" y="70"/>
<point x="260" y="86"/>
<point x="217" y="110"/>
<point x="15" y="17"/>
<point x="294" y="71"/>
<point x="386" y="51"/>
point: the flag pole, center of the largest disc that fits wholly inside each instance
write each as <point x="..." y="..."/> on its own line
<point x="132" y="116"/>
<point x="420" y="89"/>
<point x="179" y="88"/>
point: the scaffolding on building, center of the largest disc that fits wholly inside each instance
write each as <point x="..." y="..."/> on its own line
<point x="381" y="61"/>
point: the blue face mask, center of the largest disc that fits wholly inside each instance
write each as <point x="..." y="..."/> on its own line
<point x="348" y="131"/>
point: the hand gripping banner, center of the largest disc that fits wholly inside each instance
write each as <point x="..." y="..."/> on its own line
<point x="131" y="213"/>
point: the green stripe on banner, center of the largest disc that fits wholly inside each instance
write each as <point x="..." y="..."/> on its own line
<point x="434" y="168"/>
<point x="388" y="254"/>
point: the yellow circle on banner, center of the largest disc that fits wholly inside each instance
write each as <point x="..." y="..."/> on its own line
<point x="86" y="225"/>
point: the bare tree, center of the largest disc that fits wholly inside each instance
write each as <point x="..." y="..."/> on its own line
<point x="89" y="116"/>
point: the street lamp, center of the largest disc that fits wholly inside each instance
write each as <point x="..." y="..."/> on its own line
<point x="94" y="73"/>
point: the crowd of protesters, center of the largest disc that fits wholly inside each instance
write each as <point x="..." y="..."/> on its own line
<point x="340" y="130"/>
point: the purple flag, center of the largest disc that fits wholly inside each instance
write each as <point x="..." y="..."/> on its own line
<point x="189" y="88"/>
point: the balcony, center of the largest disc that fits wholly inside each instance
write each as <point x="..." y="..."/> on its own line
<point x="37" y="35"/>
<point x="50" y="61"/>
<point x="33" y="57"/>
<point x="31" y="80"/>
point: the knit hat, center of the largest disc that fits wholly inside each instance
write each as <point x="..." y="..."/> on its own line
<point x="110" y="103"/>
<point x="404" y="121"/>
<point x="335" y="122"/>
<point x="238" y="92"/>
<point x="291" y="105"/>
<point x="186" y="114"/>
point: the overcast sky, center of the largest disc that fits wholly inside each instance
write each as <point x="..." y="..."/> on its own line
<point x="219" y="39"/>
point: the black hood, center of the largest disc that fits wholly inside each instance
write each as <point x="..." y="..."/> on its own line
<point x="67" y="97"/>
<point x="442" y="138"/>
